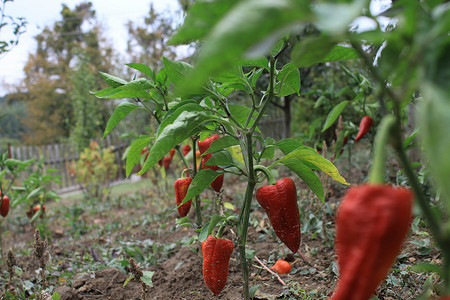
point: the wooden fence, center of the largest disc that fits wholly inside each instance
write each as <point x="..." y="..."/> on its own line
<point x="63" y="156"/>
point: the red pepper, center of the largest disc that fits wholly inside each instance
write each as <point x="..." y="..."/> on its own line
<point x="181" y="188"/>
<point x="206" y="143"/>
<point x="364" y="127"/>
<point x="218" y="182"/>
<point x="186" y="149"/>
<point x="216" y="256"/>
<point x="203" y="146"/>
<point x="34" y="210"/>
<point x="4" y="207"/>
<point x="281" y="267"/>
<point x="172" y="153"/>
<point x="166" y="162"/>
<point x="280" y="203"/>
<point x="372" y="223"/>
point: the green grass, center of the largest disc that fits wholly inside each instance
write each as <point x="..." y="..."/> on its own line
<point x="127" y="187"/>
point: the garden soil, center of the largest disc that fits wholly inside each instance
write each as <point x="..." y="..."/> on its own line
<point x="179" y="274"/>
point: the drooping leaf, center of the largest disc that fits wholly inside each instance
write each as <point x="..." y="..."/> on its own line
<point x="175" y="111"/>
<point x="134" y="153"/>
<point x="222" y="143"/>
<point x="321" y="49"/>
<point x="200" y="182"/>
<point x="288" y="81"/>
<point x="311" y="50"/>
<point x="223" y="158"/>
<point x="184" y="126"/>
<point x="120" y="112"/>
<point x="309" y="155"/>
<point x="334" y="114"/>
<point x="288" y="145"/>
<point x="177" y="71"/>
<point x="215" y="219"/>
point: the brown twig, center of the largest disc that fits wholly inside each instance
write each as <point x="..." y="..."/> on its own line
<point x="270" y="271"/>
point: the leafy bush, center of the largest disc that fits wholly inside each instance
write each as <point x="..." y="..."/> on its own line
<point x="95" y="170"/>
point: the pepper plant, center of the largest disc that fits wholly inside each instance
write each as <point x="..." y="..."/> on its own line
<point x="241" y="43"/>
<point x="209" y="110"/>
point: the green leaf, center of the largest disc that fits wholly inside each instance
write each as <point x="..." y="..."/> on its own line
<point x="427" y="268"/>
<point x="334" y="114"/>
<point x="2" y="174"/>
<point x="309" y="155"/>
<point x="204" y="233"/>
<point x="105" y="92"/>
<point x="56" y="296"/>
<point x="36" y="215"/>
<point x="307" y="175"/>
<point x="185" y="125"/>
<point x="288" y="145"/>
<point x="118" y="93"/>
<point x="233" y="78"/>
<point x="321" y="49"/>
<point x="121" y="111"/>
<point x="311" y="51"/>
<point x="128" y="280"/>
<point x="289" y="81"/>
<point x="147" y="278"/>
<point x="112" y="81"/>
<point x="138" y="84"/>
<point x="200" y="182"/>
<point x="177" y="71"/>
<point x="260" y="62"/>
<point x="253" y="290"/>
<point x="35" y="193"/>
<point x="249" y="29"/>
<point x="223" y="158"/>
<point x="434" y="121"/>
<point x="222" y="143"/>
<point x="215" y="219"/>
<point x="12" y="162"/>
<point x="339" y="53"/>
<point x="240" y="113"/>
<point x="200" y="19"/>
<point x="175" y="112"/>
<point x="143" y="68"/>
<point x="51" y="195"/>
<point x="134" y="153"/>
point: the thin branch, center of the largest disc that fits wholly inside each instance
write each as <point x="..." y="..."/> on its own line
<point x="269" y="270"/>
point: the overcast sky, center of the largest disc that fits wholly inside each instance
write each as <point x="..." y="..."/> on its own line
<point x="113" y="14"/>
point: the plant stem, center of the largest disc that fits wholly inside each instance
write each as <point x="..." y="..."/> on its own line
<point x="198" y="210"/>
<point x="246" y="215"/>
<point x="376" y="174"/>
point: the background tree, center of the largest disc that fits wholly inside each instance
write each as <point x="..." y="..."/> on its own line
<point x="147" y="43"/>
<point x="10" y="126"/>
<point x="48" y="87"/>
